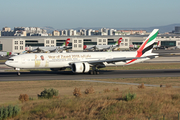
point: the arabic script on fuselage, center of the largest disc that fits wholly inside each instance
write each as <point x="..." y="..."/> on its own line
<point x="68" y="56"/>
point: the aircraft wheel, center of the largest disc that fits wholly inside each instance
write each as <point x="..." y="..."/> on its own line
<point x="91" y="72"/>
<point x="97" y="72"/>
<point x="94" y="72"/>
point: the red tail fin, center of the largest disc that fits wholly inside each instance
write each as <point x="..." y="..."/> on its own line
<point x="158" y="43"/>
<point x="67" y="42"/>
<point x="84" y="47"/>
<point x="119" y="41"/>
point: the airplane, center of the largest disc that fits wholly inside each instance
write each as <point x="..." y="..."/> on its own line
<point x="89" y="47"/>
<point x="51" y="49"/>
<point x="157" y="46"/>
<point x="81" y="62"/>
<point x="102" y="47"/>
<point x="3" y="54"/>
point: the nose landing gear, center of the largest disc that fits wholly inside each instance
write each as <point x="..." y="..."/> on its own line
<point x="18" y="73"/>
<point x="18" y="69"/>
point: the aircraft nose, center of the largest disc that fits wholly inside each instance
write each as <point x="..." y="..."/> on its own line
<point x="7" y="63"/>
<point x="10" y="62"/>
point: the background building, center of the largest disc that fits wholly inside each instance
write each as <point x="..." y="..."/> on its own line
<point x="6" y="29"/>
<point x="177" y="30"/>
<point x="23" y="31"/>
<point x="55" y="33"/>
<point x="19" y="43"/>
<point x="18" y="40"/>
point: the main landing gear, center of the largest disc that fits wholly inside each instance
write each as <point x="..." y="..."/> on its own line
<point x="94" y="71"/>
<point x="18" y="71"/>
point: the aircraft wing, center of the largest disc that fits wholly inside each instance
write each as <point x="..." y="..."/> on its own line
<point x="62" y="48"/>
<point x="89" y="47"/>
<point x="68" y="47"/>
<point x="104" y="47"/>
<point x="121" y="59"/>
<point x="44" y="49"/>
<point x="39" y="50"/>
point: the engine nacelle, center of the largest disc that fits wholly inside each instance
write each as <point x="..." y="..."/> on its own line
<point x="57" y="69"/>
<point x="80" y="67"/>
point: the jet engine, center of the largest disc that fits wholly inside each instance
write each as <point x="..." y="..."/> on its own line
<point x="57" y="69"/>
<point x="80" y="67"/>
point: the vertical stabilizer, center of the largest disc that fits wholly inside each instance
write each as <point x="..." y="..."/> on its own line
<point x="147" y="45"/>
<point x="66" y="43"/>
<point x="118" y="42"/>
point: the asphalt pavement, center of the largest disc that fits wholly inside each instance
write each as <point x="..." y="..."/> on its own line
<point x="104" y="74"/>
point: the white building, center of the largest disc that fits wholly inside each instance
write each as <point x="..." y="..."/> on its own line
<point x="89" y="31"/>
<point x="77" y="44"/>
<point x="49" y="42"/>
<point x="125" y="43"/>
<point x="18" y="43"/>
<point x="102" y="41"/>
<point x="110" y="31"/>
<point x="70" y="32"/>
<point x="55" y="33"/>
<point x="63" y="33"/>
<point x="84" y="32"/>
<point x="13" y="45"/>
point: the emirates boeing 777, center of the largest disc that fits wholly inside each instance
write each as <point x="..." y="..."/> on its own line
<point x="81" y="62"/>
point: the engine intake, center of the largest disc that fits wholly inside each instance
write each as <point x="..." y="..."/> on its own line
<point x="80" y="67"/>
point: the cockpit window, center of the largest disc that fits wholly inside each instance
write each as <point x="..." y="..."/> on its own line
<point x="10" y="59"/>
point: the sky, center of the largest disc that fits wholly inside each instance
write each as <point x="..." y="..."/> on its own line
<point x="67" y="14"/>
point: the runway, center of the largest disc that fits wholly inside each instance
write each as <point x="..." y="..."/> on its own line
<point x="104" y="74"/>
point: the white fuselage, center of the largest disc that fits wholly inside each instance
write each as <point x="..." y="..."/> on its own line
<point x="47" y="48"/>
<point x="100" y="47"/>
<point x="3" y="53"/>
<point x="58" y="60"/>
<point x="7" y="53"/>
